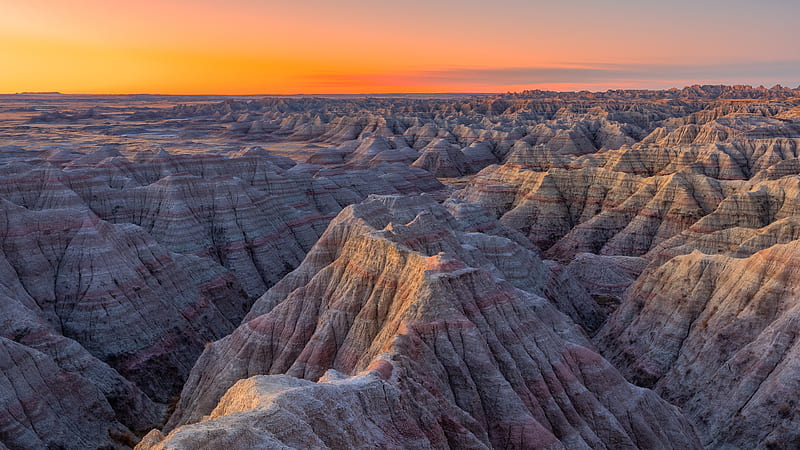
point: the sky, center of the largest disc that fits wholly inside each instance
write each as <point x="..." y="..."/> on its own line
<point x="374" y="46"/>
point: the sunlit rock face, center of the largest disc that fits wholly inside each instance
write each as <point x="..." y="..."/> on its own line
<point x="117" y="271"/>
<point x="566" y="212"/>
<point x="533" y="270"/>
<point x="396" y="299"/>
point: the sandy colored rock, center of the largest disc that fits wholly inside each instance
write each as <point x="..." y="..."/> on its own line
<point x="377" y="297"/>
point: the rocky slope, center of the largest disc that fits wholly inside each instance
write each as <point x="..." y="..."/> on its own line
<point x="117" y="271"/>
<point x="105" y="307"/>
<point x="662" y="225"/>
<point x="566" y="212"/>
<point x="703" y="331"/>
<point x="45" y="406"/>
<point x="396" y="299"/>
<point x="716" y="335"/>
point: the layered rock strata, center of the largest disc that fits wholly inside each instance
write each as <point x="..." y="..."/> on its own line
<point x="394" y="297"/>
<point x="716" y="335"/>
<point x="117" y="271"/>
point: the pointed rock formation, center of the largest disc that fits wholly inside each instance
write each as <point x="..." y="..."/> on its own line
<point x="393" y="297"/>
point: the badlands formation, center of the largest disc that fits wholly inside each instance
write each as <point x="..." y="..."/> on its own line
<point x="533" y="270"/>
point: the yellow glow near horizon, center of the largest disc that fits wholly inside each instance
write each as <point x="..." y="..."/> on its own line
<point x="355" y="46"/>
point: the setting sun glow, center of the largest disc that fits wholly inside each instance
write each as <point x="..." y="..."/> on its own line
<point x="357" y="46"/>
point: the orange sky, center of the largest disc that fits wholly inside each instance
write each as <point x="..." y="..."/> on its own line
<point x="360" y="46"/>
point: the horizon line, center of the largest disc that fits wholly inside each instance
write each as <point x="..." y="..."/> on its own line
<point x="378" y="94"/>
<point x="55" y="93"/>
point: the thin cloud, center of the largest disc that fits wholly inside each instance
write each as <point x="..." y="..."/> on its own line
<point x="596" y="75"/>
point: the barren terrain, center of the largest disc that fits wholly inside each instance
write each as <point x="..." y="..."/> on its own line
<point x="530" y="270"/>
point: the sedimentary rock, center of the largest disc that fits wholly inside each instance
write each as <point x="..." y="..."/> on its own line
<point x="566" y="212"/>
<point x="442" y="159"/>
<point x="390" y="292"/>
<point x="117" y="271"/>
<point x="133" y="234"/>
<point x="716" y="335"/>
<point x="43" y="406"/>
